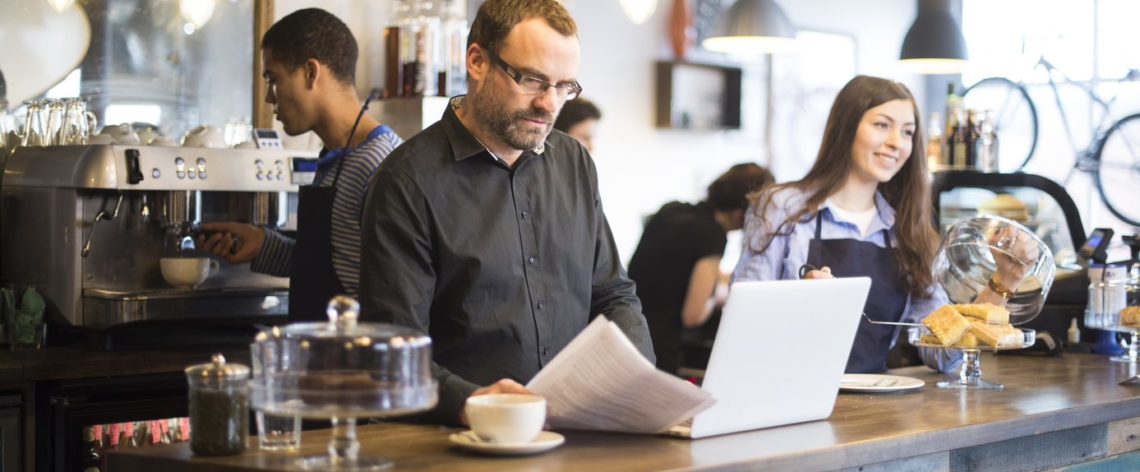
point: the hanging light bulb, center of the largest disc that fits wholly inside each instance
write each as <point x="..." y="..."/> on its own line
<point x="197" y="12"/>
<point x="60" y="6"/>
<point x="639" y="11"/>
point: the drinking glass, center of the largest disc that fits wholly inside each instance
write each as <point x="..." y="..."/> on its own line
<point x="35" y="126"/>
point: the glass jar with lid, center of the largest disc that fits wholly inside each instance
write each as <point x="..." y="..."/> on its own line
<point x="219" y="407"/>
<point x="342" y="370"/>
<point x="1114" y="305"/>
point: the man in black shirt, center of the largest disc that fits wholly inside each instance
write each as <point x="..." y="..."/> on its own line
<point x="677" y="263"/>
<point x="486" y="230"/>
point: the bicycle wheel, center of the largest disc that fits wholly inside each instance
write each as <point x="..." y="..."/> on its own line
<point x="1015" y="118"/>
<point x="1118" y="169"/>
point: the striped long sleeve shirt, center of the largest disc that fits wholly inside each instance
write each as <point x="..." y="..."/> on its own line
<point x="276" y="255"/>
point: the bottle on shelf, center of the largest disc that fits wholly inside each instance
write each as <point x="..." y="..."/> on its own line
<point x="987" y="143"/>
<point x="957" y="133"/>
<point x="934" y="142"/>
<point x="972" y="138"/>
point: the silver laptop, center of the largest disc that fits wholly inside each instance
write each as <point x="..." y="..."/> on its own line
<point x="779" y="354"/>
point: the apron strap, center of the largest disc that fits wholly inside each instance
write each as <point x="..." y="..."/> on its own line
<point x="887" y="238"/>
<point x="818" y="226"/>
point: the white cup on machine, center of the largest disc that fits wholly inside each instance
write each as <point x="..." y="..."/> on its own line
<point x="187" y="272"/>
<point x="506" y="418"/>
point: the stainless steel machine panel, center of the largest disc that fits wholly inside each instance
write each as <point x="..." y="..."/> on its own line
<point x="120" y="167"/>
<point x="88" y="225"/>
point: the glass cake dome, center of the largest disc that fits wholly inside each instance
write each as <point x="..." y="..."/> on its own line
<point x="988" y="251"/>
<point x="342" y="370"/>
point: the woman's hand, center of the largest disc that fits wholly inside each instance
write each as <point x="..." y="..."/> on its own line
<point x="1014" y="254"/>
<point x="822" y="273"/>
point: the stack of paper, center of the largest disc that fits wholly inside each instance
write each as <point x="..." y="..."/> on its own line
<point x="601" y="382"/>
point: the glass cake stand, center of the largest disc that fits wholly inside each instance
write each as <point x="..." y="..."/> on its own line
<point x="970" y="375"/>
<point x="342" y="371"/>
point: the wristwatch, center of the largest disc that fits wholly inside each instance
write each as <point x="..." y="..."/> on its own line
<point x="999" y="289"/>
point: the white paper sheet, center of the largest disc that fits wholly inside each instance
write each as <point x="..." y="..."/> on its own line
<point x="600" y="381"/>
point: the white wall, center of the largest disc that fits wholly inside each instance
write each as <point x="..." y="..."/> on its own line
<point x="640" y="166"/>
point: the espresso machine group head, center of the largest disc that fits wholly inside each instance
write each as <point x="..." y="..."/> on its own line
<point x="88" y="226"/>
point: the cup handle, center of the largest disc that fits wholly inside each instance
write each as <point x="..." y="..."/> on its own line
<point x="215" y="266"/>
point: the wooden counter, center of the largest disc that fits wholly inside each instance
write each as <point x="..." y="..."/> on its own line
<point x="1052" y="412"/>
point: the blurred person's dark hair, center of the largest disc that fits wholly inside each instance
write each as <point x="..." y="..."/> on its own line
<point x="730" y="191"/>
<point x="312" y="33"/>
<point x="576" y="111"/>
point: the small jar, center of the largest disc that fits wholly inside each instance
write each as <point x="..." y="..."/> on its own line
<point x="219" y="407"/>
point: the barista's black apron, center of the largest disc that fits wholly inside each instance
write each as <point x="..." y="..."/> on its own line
<point x="886" y="302"/>
<point x="312" y="279"/>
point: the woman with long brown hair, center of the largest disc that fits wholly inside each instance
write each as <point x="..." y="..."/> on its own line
<point x="863" y="209"/>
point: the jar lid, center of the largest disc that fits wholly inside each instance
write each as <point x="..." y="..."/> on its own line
<point x="217" y="369"/>
<point x="343" y="329"/>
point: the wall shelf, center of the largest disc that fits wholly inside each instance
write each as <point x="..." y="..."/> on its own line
<point x="694" y="96"/>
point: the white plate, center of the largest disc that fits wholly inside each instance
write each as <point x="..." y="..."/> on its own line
<point x="545" y="441"/>
<point x="878" y="383"/>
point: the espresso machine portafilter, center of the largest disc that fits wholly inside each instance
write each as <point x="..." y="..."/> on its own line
<point x="88" y="225"/>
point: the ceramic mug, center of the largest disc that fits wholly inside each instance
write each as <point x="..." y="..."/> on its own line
<point x="205" y="136"/>
<point x="121" y="134"/>
<point x="506" y="418"/>
<point x="187" y="272"/>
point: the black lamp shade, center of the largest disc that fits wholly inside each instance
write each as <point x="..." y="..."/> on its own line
<point x="934" y="35"/>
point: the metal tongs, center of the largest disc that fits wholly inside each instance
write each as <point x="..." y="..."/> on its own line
<point x="804" y="269"/>
<point x="892" y="323"/>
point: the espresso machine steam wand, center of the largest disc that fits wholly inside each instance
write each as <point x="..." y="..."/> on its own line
<point x="102" y="215"/>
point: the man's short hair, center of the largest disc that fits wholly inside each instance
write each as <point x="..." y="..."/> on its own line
<point x="576" y="111"/>
<point x="312" y="33"/>
<point x="496" y="18"/>
<point x="730" y="191"/>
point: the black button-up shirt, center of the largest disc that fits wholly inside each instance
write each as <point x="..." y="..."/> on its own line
<point x="501" y="266"/>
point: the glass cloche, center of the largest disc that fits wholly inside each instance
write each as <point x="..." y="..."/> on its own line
<point x="994" y="253"/>
<point x="342" y="370"/>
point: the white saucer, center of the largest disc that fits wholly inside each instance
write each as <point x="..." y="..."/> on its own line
<point x="545" y="441"/>
<point x="877" y="383"/>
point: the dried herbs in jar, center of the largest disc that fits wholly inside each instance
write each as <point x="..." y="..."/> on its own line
<point x="219" y="407"/>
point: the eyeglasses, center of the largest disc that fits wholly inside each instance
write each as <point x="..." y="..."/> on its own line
<point x="535" y="85"/>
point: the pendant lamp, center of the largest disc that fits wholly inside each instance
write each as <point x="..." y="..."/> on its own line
<point x="638" y="11"/>
<point x="934" y="44"/>
<point x="752" y="27"/>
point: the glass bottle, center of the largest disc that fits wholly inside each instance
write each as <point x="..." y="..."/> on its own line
<point x="987" y="143"/>
<point x="419" y="48"/>
<point x="956" y="129"/>
<point x="934" y="142"/>
<point x="219" y="407"/>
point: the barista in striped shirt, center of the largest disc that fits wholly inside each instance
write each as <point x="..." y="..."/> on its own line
<point x="309" y="59"/>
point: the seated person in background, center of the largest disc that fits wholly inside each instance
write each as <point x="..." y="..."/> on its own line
<point x="486" y="230"/>
<point x="864" y="209"/>
<point x="578" y="119"/>
<point x="677" y="263"/>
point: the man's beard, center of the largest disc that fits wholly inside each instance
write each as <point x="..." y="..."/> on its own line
<point x="502" y="123"/>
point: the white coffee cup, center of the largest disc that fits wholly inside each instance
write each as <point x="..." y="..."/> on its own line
<point x="205" y="136"/>
<point x="187" y="272"/>
<point x="506" y="418"/>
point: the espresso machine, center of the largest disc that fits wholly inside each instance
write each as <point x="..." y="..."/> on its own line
<point x="87" y="225"/>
